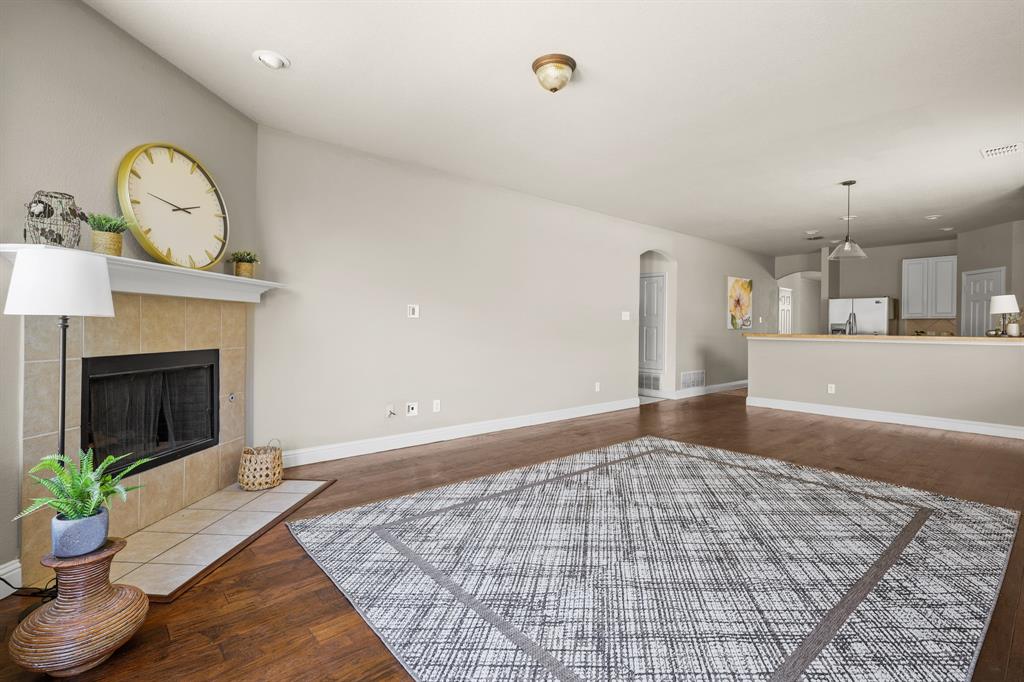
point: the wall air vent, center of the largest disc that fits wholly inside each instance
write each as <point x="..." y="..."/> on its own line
<point x="692" y="379"/>
<point x="1002" y="150"/>
<point x="650" y="381"/>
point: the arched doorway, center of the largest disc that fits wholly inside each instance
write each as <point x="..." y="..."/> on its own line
<point x="656" y="368"/>
<point x="800" y="303"/>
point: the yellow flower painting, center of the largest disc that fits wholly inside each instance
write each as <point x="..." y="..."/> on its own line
<point x="741" y="302"/>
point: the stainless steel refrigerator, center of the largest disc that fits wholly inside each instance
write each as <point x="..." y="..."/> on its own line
<point x="873" y="315"/>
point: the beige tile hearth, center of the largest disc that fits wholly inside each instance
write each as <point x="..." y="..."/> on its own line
<point x="273" y="502"/>
<point x="160" y="578"/>
<point x="200" y="549"/>
<point x="146" y="544"/>
<point x="188" y="521"/>
<point x="241" y="523"/>
<point x="297" y="486"/>
<point x="120" y="568"/>
<point x="227" y="500"/>
<point x="166" y="555"/>
<point x="202" y="474"/>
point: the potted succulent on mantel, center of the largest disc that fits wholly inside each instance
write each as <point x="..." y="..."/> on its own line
<point x="80" y="493"/>
<point x="107" y="233"/>
<point x="245" y="263"/>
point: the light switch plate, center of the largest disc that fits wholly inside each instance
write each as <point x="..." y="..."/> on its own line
<point x="412" y="409"/>
<point x="437" y="406"/>
<point x="625" y="316"/>
<point x="412" y="310"/>
<point x="831" y="388"/>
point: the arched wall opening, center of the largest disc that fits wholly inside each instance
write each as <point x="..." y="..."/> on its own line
<point x="800" y="303"/>
<point x="656" y="367"/>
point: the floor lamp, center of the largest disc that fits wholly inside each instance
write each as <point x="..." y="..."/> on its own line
<point x="64" y="283"/>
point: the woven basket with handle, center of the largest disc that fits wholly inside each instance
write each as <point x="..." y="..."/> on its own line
<point x="261" y="467"/>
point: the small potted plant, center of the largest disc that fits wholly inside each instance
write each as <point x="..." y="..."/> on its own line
<point x="80" y="493"/>
<point x="107" y="233"/>
<point x="245" y="263"/>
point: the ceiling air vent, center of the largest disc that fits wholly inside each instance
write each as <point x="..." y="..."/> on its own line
<point x="1002" y="150"/>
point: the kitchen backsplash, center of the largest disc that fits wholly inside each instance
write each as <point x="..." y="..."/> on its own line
<point x="930" y="327"/>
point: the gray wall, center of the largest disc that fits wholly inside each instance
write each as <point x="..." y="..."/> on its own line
<point x="880" y="274"/>
<point x="800" y="262"/>
<point x="520" y="298"/>
<point x="77" y="94"/>
<point x="895" y="376"/>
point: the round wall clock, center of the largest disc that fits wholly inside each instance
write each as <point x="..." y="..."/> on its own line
<point x="173" y="206"/>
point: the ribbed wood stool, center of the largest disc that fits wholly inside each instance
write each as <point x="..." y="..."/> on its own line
<point x="86" y="623"/>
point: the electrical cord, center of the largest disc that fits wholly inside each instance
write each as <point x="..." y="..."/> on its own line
<point x="44" y="594"/>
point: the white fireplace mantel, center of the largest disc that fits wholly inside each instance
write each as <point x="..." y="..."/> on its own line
<point x="145" y="277"/>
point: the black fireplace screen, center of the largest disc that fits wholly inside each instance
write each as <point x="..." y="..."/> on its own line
<point x="158" y="405"/>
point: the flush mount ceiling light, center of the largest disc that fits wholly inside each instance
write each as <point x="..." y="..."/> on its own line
<point x="934" y="216"/>
<point x="847" y="217"/>
<point x="554" y="71"/>
<point x="811" y="232"/>
<point x="272" y="60"/>
<point x="946" y="229"/>
<point x="848" y="249"/>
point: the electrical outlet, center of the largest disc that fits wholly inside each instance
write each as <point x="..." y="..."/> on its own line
<point x="412" y="310"/>
<point x="389" y="411"/>
<point x="412" y="409"/>
<point x="831" y="389"/>
<point x="437" y="406"/>
<point x="625" y="316"/>
<point x="597" y="387"/>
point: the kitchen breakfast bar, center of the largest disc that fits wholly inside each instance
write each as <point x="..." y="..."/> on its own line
<point x="971" y="384"/>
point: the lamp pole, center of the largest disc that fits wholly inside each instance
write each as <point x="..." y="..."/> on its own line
<point x="62" y="323"/>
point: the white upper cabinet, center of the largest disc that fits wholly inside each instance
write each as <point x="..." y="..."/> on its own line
<point x="929" y="288"/>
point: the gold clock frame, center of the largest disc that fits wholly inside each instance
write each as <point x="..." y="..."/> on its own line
<point x="127" y="210"/>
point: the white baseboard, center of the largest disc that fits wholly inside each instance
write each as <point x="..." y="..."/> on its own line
<point x="11" y="572"/>
<point x="944" y="423"/>
<point x="705" y="390"/>
<point x="324" y="453"/>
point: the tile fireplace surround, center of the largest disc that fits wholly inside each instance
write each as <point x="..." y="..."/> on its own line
<point x="142" y="324"/>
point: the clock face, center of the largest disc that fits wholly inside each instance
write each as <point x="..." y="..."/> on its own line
<point x="173" y="206"/>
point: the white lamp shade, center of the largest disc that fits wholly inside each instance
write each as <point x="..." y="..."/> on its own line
<point x="56" y="281"/>
<point x="849" y="249"/>
<point x="1003" y="304"/>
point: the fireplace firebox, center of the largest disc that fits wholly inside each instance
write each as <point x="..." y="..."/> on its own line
<point x="158" y="405"/>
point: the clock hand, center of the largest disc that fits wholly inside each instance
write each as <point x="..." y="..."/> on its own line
<point x="185" y="209"/>
<point x="176" y="207"/>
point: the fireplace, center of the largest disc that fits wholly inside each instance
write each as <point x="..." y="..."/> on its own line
<point x="158" y="405"/>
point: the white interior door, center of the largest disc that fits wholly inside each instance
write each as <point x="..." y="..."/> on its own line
<point x="785" y="310"/>
<point x="978" y="287"/>
<point x="652" y="322"/>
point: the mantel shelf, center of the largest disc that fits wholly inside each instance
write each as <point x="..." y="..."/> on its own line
<point x="145" y="277"/>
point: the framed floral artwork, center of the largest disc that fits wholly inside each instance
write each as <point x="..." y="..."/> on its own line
<point x="741" y="303"/>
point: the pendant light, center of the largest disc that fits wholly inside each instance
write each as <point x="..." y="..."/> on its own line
<point x="849" y="249"/>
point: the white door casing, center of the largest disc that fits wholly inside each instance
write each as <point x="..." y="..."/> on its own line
<point x="785" y="310"/>
<point x="652" y="322"/>
<point x="978" y="287"/>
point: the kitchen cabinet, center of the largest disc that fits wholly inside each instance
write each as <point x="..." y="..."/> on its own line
<point x="929" y="288"/>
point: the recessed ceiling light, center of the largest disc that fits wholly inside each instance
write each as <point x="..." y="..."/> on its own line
<point x="271" y="60"/>
<point x="946" y="229"/>
<point x="847" y="217"/>
<point x="934" y="216"/>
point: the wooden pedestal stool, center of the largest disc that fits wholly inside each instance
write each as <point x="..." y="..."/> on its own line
<point x="86" y="623"/>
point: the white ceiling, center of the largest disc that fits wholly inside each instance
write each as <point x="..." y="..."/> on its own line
<point x="729" y="120"/>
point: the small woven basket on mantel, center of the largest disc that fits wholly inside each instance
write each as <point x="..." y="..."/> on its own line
<point x="261" y="467"/>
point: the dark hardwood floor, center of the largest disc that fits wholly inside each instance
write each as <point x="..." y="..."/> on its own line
<point x="270" y="613"/>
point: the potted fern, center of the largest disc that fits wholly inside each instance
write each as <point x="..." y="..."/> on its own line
<point x="245" y="263"/>
<point x="107" y="233"/>
<point x="80" y="492"/>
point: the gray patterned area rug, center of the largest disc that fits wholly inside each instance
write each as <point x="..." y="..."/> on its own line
<point x="659" y="560"/>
